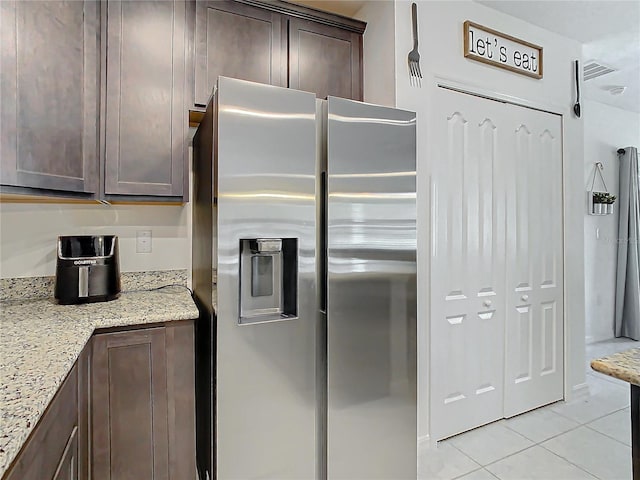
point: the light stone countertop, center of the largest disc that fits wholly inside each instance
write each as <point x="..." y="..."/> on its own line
<point x="623" y="365"/>
<point x="41" y="340"/>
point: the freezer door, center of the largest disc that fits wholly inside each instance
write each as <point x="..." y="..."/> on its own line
<point x="371" y="297"/>
<point x="265" y="339"/>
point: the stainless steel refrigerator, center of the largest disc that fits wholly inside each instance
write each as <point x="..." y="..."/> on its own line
<point x="306" y="347"/>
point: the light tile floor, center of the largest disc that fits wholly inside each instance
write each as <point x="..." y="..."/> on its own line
<point x="587" y="438"/>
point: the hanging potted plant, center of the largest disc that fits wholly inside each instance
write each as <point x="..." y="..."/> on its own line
<point x="609" y="201"/>
<point x="599" y="202"/>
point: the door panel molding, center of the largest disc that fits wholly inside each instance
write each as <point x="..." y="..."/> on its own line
<point x="515" y="196"/>
<point x="467" y="280"/>
<point x="463" y="86"/>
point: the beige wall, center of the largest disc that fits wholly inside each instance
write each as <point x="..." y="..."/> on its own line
<point x="28" y="235"/>
<point x="379" y="52"/>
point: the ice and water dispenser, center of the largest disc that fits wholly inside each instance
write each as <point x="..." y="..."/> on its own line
<point x="268" y="279"/>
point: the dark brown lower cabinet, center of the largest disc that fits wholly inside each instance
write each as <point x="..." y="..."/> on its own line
<point x="125" y="411"/>
<point x="51" y="452"/>
<point x="142" y="404"/>
<point x="84" y="425"/>
<point x="68" y="466"/>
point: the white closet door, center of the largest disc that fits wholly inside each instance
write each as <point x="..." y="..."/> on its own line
<point x="534" y="320"/>
<point x="467" y="263"/>
<point x="496" y="261"/>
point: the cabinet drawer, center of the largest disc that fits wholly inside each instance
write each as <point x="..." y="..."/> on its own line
<point x="45" y="448"/>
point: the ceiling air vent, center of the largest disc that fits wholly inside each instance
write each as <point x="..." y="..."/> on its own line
<point x="595" y="69"/>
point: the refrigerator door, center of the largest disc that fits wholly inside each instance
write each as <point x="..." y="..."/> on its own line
<point x="371" y="297"/>
<point x="266" y="309"/>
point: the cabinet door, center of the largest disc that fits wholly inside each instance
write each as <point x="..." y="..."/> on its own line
<point x="146" y="115"/>
<point x="49" y="447"/>
<point x="236" y="40"/>
<point x="84" y="422"/>
<point x="129" y="405"/>
<point x="68" y="466"/>
<point x="49" y="88"/>
<point x="325" y="60"/>
<point x="181" y="400"/>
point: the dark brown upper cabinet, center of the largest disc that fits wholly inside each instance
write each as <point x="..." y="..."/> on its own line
<point x="95" y="99"/>
<point x="146" y="112"/>
<point x="325" y="60"/>
<point x="277" y="43"/>
<point x="236" y="40"/>
<point x="50" y="90"/>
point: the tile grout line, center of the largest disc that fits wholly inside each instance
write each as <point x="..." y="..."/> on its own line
<point x="606" y="435"/>
<point x="553" y="436"/>
<point x="468" y="473"/>
<point x="538" y="444"/>
<point x="534" y="443"/>
<point x="573" y="428"/>
<point x="597" y="418"/>
<point x="506" y="456"/>
<point x="571" y="463"/>
<point x="476" y="470"/>
<point x="491" y="473"/>
<point x="460" y="451"/>
<point x="473" y="460"/>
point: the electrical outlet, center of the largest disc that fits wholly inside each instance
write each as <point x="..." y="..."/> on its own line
<point x="143" y="241"/>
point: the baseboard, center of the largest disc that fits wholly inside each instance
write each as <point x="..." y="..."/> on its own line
<point x="579" y="391"/>
<point x="425" y="443"/>
<point x="590" y="340"/>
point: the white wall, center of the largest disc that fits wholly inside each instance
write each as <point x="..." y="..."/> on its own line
<point x="606" y="129"/>
<point x="440" y="32"/>
<point x="379" y="52"/>
<point x="28" y="234"/>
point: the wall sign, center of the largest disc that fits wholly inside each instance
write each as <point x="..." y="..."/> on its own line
<point x="494" y="48"/>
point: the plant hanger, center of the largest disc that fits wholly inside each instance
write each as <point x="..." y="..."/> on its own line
<point x="598" y="171"/>
<point x="600" y="203"/>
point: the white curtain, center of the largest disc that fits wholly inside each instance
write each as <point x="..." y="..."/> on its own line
<point x="627" y="321"/>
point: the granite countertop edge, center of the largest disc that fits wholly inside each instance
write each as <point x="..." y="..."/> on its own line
<point x="623" y="366"/>
<point x="42" y="340"/>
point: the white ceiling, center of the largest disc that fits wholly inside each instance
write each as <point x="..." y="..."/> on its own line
<point x="608" y="30"/>
<point x="348" y="8"/>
